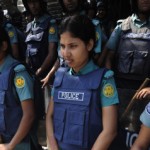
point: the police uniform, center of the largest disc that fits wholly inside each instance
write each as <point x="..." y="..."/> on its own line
<point x="100" y="37"/>
<point x="72" y="119"/>
<point x="12" y="33"/>
<point x="145" y="116"/>
<point x="130" y="43"/>
<point x="24" y="88"/>
<point x="108" y="93"/>
<point x="113" y="41"/>
<point x="40" y="33"/>
<point x="22" y="81"/>
<point x="53" y="30"/>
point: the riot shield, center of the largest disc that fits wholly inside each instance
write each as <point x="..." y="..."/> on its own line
<point x="130" y="118"/>
<point x="125" y="95"/>
<point x="129" y="111"/>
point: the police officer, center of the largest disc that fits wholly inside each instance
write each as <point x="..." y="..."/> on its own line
<point x="128" y="52"/>
<point x="72" y="7"/>
<point x="11" y="30"/>
<point x="16" y="102"/>
<point x="81" y="115"/>
<point x="142" y="142"/>
<point x="41" y="38"/>
<point x="104" y="17"/>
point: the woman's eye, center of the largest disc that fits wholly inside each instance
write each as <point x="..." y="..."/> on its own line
<point x="62" y="46"/>
<point x="73" y="46"/>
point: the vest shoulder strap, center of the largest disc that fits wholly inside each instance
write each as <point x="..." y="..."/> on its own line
<point x="126" y="24"/>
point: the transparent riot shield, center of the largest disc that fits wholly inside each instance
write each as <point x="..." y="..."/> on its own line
<point x="130" y="118"/>
<point x="129" y="112"/>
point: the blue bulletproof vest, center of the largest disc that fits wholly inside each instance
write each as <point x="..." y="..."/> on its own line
<point x="37" y="44"/>
<point x="10" y="109"/>
<point x="77" y="109"/>
<point x="133" y="55"/>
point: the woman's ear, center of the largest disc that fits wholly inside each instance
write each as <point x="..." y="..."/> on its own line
<point x="4" y="46"/>
<point x="90" y="45"/>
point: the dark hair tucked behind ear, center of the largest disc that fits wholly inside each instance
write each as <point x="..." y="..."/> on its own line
<point x="4" y="37"/>
<point x="80" y="26"/>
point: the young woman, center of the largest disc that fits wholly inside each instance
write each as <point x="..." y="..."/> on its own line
<point x="16" y="102"/>
<point x="70" y="8"/>
<point x="82" y="113"/>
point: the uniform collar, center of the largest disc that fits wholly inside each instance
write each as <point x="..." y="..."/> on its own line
<point x="138" y="22"/>
<point x="90" y="66"/>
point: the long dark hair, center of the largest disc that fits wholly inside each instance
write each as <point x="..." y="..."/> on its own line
<point x="4" y="37"/>
<point x="80" y="26"/>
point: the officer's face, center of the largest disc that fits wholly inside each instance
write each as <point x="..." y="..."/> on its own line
<point x="101" y="13"/>
<point x="74" y="51"/>
<point x="144" y="6"/>
<point x="71" y="5"/>
<point x="34" y="7"/>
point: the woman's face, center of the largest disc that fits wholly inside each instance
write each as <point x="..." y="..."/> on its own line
<point x="74" y="51"/>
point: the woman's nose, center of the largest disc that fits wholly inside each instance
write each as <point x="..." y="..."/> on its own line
<point x="66" y="52"/>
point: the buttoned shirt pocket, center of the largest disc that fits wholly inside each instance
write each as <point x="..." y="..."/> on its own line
<point x="139" y="61"/>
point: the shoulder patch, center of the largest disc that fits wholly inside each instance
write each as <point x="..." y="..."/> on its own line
<point x="19" y="68"/>
<point x="11" y="34"/>
<point x="108" y="90"/>
<point x="109" y="74"/>
<point x="19" y="82"/>
<point x="52" y="30"/>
